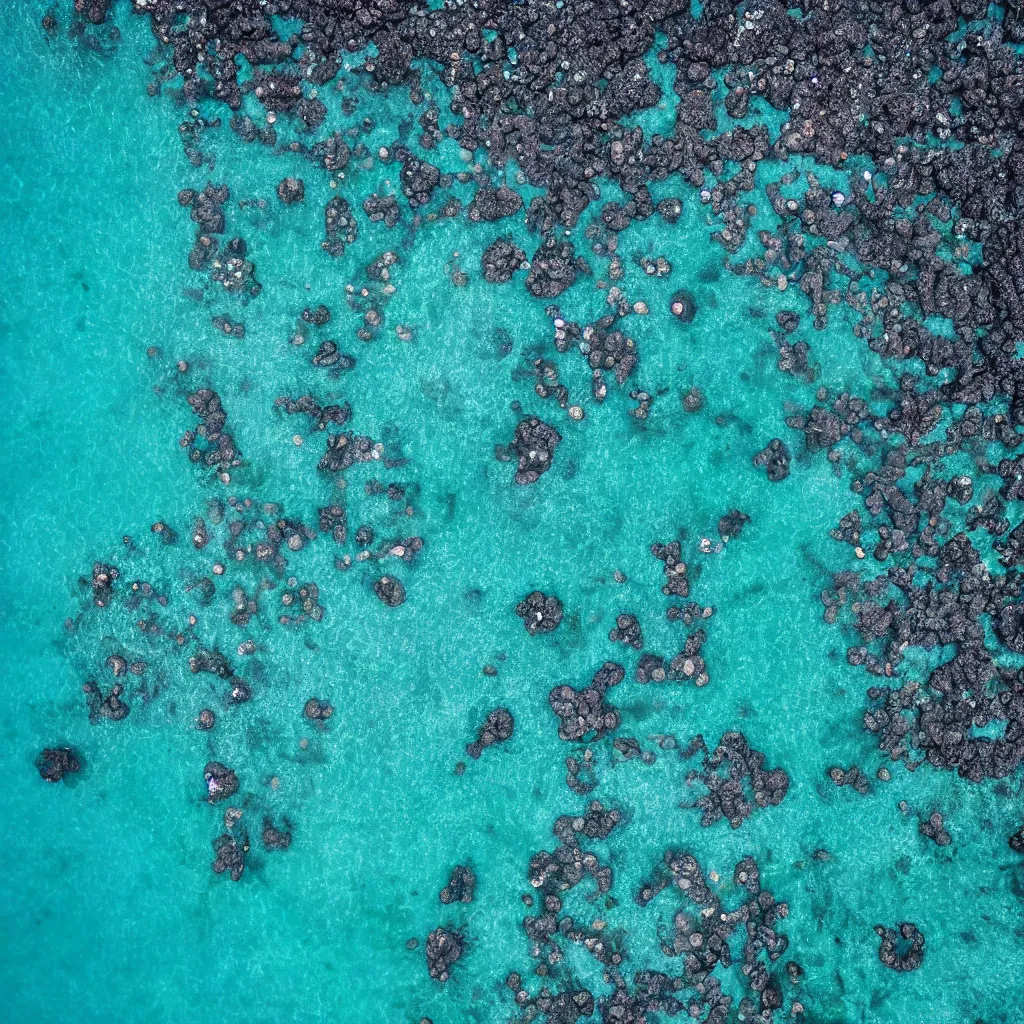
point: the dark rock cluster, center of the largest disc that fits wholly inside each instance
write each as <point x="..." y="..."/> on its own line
<point x="774" y="459"/>
<point x="934" y="828"/>
<point x="105" y="705"/>
<point x="902" y="947"/>
<point x="345" y="450"/>
<point x="300" y="603"/>
<point x="216" y="664"/>
<point x="291" y="190"/>
<point x="554" y="268"/>
<point x="56" y="762"/>
<point x="852" y="777"/>
<point x="317" y="710"/>
<point x="627" y="631"/>
<point x="731" y="524"/>
<point x="242" y="549"/>
<point x="585" y="712"/>
<point x="705" y="934"/>
<point x="102" y="583"/>
<point x="533" y="447"/>
<point x="702" y="937"/>
<point x="500" y="260"/>
<point x="496" y="728"/>
<point x="319" y="415"/>
<point x="676" y="582"/>
<point x="230" y="852"/>
<point x="686" y="666"/>
<point x="340" y="226"/>
<point x="444" y="949"/>
<point x="221" y="782"/>
<point x="936" y="721"/>
<point x="382" y="209"/>
<point x="541" y="613"/>
<point x="810" y="67"/>
<point x="390" y="590"/>
<point x="494" y="203"/>
<point x="555" y="873"/>
<point x="276" y="838"/>
<point x="218" y="450"/>
<point x="1016" y="841"/>
<point x="227" y="263"/>
<point x="736" y="781"/>
<point x="461" y="886"/>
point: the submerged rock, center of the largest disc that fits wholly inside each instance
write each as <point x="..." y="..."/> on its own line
<point x="627" y="631"/>
<point x="291" y="190"/>
<point x="902" y="947"/>
<point x="390" y="591"/>
<point x="230" y="852"/>
<point x="541" y="613"/>
<point x="460" y="887"/>
<point x="737" y="782"/>
<point x="534" y="447"/>
<point x="683" y="306"/>
<point x="56" y="762"/>
<point x="444" y="949"/>
<point x="500" y="261"/>
<point x="276" y="838"/>
<point x="221" y="782"/>
<point x="1016" y="841"/>
<point x="105" y="706"/>
<point x="585" y="712"/>
<point x="317" y="710"/>
<point x="934" y="828"/>
<point x="497" y="728"/>
<point x="774" y="460"/>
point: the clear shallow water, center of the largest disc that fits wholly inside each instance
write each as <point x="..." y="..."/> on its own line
<point x="108" y="907"/>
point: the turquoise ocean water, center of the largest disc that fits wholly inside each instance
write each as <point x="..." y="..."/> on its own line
<point x="108" y="908"/>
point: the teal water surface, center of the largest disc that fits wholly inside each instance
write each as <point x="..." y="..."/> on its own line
<point x="108" y="907"/>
